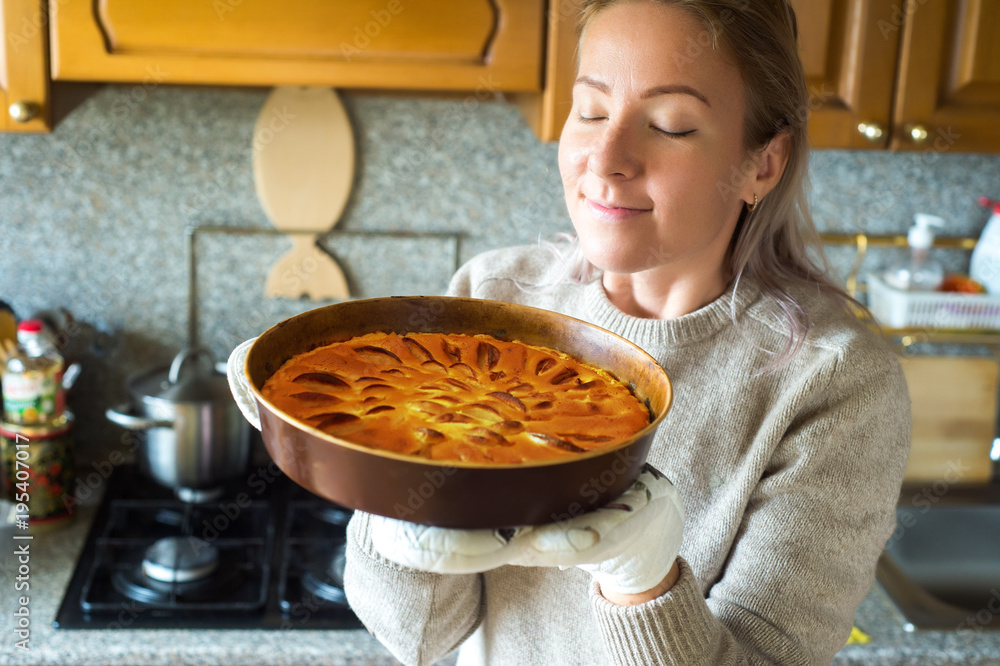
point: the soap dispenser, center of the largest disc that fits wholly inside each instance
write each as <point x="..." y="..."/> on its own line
<point x="984" y="267"/>
<point x="919" y="273"/>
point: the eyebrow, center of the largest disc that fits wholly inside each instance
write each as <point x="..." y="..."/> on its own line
<point x="652" y="92"/>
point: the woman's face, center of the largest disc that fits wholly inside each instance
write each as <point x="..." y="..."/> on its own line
<point x="652" y="154"/>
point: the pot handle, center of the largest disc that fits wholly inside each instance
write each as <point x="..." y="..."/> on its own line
<point x="182" y="357"/>
<point x="119" y="416"/>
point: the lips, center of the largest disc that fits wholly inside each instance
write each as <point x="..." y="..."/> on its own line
<point x="611" y="212"/>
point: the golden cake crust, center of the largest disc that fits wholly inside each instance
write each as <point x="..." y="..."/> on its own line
<point x="453" y="397"/>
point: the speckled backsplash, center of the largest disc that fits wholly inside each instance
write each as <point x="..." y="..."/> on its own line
<point x="93" y="217"/>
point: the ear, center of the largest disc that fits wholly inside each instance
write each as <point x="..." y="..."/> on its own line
<point x="771" y="163"/>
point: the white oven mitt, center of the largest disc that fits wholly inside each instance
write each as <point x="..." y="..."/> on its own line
<point x="628" y="546"/>
<point x="240" y="385"/>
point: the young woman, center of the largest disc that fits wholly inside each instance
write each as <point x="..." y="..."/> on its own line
<point x="683" y="163"/>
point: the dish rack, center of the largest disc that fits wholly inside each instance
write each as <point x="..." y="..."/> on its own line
<point x="945" y="310"/>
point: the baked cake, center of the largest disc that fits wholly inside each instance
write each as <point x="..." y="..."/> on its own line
<point x="453" y="397"/>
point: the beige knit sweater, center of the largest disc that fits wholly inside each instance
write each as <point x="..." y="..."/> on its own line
<point x="789" y="481"/>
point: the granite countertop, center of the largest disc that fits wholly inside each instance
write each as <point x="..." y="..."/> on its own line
<point x="53" y="556"/>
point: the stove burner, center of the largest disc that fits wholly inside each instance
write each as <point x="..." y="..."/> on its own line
<point x="198" y="495"/>
<point x="180" y="560"/>
<point x="329" y="585"/>
<point x="134" y="584"/>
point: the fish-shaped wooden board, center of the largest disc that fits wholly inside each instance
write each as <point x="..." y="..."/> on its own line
<point x="303" y="165"/>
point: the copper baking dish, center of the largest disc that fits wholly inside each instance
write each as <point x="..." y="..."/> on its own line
<point x="455" y="494"/>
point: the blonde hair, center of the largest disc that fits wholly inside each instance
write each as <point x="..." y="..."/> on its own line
<point x="772" y="242"/>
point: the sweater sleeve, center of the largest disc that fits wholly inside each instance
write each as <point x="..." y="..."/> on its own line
<point x="420" y="617"/>
<point x="808" y="543"/>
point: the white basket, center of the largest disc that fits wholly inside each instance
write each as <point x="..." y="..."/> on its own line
<point x="934" y="309"/>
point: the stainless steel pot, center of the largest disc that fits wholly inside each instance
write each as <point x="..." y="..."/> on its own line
<point x="195" y="438"/>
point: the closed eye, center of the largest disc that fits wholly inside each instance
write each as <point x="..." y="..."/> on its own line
<point x="590" y="119"/>
<point x="672" y="134"/>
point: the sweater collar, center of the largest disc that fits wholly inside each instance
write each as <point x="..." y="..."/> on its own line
<point x="692" y="327"/>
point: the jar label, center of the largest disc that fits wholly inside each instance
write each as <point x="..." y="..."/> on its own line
<point x="39" y="472"/>
<point x="30" y="397"/>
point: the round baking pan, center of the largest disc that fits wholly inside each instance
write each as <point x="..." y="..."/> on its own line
<point x="454" y="494"/>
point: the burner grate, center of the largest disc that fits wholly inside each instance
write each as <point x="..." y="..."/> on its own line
<point x="116" y="580"/>
<point x="274" y="542"/>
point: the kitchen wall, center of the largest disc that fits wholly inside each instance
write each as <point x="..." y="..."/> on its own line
<point x="93" y="217"/>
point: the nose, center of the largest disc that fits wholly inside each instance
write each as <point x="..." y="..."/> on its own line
<point x="614" y="153"/>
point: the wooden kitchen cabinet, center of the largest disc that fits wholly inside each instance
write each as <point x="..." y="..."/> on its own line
<point x="546" y="111"/>
<point x="481" y="45"/>
<point x="884" y="74"/>
<point x="919" y="75"/>
<point x="24" y="81"/>
<point x="948" y="84"/>
<point x="850" y="67"/>
<point x="954" y="406"/>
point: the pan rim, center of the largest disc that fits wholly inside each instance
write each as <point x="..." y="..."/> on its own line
<point x="502" y="305"/>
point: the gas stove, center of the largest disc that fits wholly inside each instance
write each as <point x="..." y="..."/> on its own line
<point x="264" y="554"/>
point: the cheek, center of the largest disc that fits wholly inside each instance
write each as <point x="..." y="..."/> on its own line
<point x="572" y="157"/>
<point x="563" y="163"/>
<point x="691" y="208"/>
<point x="680" y="185"/>
<point x="731" y="174"/>
<point x="697" y="185"/>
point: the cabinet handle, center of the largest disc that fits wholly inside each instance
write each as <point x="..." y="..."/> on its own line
<point x="871" y="131"/>
<point x="917" y="133"/>
<point x="22" y="112"/>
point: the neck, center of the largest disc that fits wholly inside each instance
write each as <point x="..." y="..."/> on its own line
<point x="652" y="295"/>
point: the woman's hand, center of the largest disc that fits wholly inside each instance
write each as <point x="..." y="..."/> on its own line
<point x="629" y="546"/>
<point x="623" y="599"/>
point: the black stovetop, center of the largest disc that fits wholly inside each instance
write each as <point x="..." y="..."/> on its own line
<point x="276" y="546"/>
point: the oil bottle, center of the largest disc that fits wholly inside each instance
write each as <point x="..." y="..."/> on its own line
<point x="32" y="379"/>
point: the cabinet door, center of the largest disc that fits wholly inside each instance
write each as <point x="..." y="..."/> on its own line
<point x="948" y="92"/>
<point x="24" y="86"/>
<point x="546" y="112"/>
<point x="489" y="45"/>
<point x="850" y="65"/>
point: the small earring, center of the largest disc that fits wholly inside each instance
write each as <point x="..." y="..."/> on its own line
<point x="751" y="207"/>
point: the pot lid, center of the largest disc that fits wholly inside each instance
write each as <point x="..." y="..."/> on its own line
<point x="191" y="377"/>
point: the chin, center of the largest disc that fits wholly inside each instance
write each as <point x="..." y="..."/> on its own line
<point x="619" y="251"/>
<point x="618" y="262"/>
